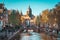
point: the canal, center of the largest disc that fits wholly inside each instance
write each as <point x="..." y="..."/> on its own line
<point x="30" y="36"/>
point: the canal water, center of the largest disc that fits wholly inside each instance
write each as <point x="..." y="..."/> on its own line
<point x="31" y="36"/>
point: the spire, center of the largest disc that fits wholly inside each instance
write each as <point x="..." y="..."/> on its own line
<point x="29" y="9"/>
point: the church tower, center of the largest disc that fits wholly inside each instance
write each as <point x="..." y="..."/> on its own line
<point x="29" y="12"/>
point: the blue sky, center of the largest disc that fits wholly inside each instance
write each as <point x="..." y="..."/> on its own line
<point x="37" y="6"/>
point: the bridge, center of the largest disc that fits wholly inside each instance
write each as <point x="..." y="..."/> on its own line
<point x="16" y="35"/>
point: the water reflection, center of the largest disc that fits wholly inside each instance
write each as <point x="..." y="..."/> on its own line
<point x="31" y="36"/>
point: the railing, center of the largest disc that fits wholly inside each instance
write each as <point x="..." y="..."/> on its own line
<point x="14" y="34"/>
